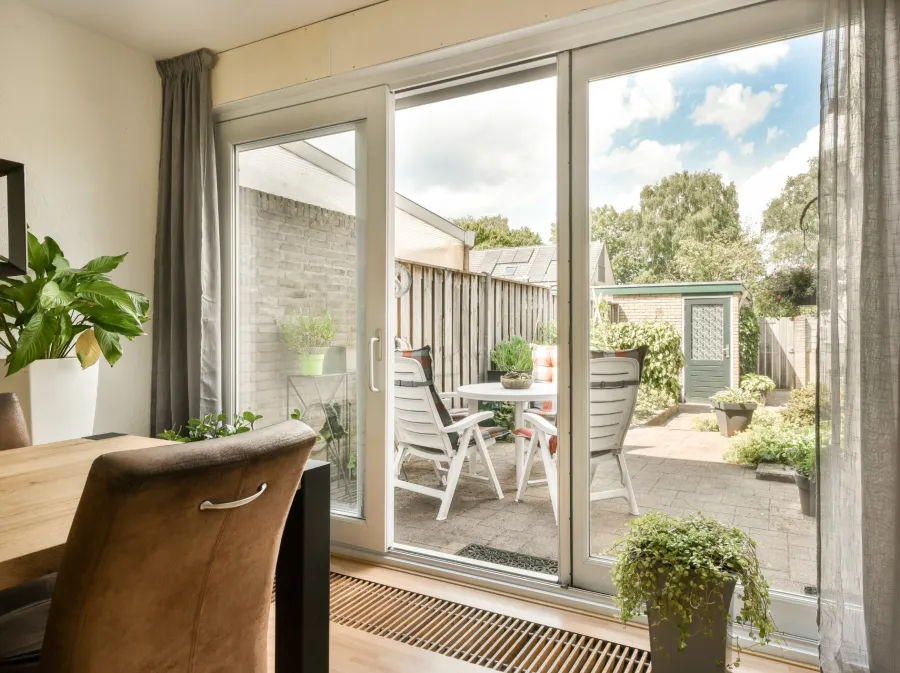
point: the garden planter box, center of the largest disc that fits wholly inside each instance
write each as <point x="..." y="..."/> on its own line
<point x="703" y="653"/>
<point x="733" y="417"/>
<point x="807" y="491"/>
<point x="58" y="398"/>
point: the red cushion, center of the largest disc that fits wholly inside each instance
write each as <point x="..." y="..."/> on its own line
<point x="527" y="433"/>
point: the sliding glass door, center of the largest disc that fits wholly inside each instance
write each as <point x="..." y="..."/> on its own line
<point x="306" y="197"/>
<point x="680" y="148"/>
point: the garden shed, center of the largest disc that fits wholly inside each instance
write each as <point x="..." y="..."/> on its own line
<point x="705" y="315"/>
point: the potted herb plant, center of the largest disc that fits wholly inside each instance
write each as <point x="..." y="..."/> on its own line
<point x="804" y="463"/>
<point x="759" y="385"/>
<point x="734" y="409"/>
<point x="55" y="324"/>
<point x="681" y="572"/>
<point x="309" y="337"/>
<point x="512" y="359"/>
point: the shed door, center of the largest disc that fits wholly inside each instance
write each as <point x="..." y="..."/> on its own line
<point x="707" y="326"/>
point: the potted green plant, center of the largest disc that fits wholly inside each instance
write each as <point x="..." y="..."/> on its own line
<point x="309" y="337"/>
<point x="804" y="463"/>
<point x="512" y="360"/>
<point x="734" y="409"/>
<point x="212" y="426"/>
<point x="681" y="572"/>
<point x="795" y="285"/>
<point x="55" y="324"/>
<point x="759" y="385"/>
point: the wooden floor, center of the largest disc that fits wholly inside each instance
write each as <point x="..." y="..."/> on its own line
<point x="354" y="651"/>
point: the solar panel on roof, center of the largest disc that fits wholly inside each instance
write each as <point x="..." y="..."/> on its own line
<point x="507" y="256"/>
<point x="523" y="255"/>
<point x="489" y="262"/>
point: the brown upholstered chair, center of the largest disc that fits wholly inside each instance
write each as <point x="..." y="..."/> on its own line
<point x="13" y="429"/>
<point x="170" y="560"/>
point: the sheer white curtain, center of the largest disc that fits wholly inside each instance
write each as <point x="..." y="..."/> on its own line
<point x="859" y="332"/>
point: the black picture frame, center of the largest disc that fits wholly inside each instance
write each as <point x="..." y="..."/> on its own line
<point x="16" y="263"/>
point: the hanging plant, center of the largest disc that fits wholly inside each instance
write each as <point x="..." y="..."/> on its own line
<point x="796" y="285"/>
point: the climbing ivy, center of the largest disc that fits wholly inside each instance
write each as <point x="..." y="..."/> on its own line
<point x="665" y="359"/>
<point x="748" y="338"/>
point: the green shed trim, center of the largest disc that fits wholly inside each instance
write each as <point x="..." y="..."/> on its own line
<point x="723" y="287"/>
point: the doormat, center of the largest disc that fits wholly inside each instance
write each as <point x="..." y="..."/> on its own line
<point x="510" y="559"/>
<point x="495" y="641"/>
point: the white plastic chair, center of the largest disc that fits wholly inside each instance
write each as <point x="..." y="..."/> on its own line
<point x="614" y="386"/>
<point x="421" y="432"/>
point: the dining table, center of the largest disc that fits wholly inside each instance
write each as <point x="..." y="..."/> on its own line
<point x="540" y="391"/>
<point x="40" y="487"/>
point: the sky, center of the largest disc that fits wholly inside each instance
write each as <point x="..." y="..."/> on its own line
<point x="751" y="115"/>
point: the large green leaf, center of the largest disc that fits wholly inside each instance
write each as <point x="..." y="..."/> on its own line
<point x="105" y="263"/>
<point x="112" y="320"/>
<point x="27" y="295"/>
<point x="107" y="295"/>
<point x="52" y="249"/>
<point x="60" y="263"/>
<point x="66" y="332"/>
<point x="53" y="297"/>
<point x="34" y="341"/>
<point x="38" y="260"/>
<point x="141" y="303"/>
<point x="110" y="344"/>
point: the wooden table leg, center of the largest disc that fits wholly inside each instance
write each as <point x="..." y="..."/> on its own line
<point x="302" y="577"/>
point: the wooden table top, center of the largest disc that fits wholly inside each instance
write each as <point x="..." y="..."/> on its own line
<point x="39" y="490"/>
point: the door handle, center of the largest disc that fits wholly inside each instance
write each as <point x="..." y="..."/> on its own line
<point x="372" y="342"/>
<point x="726" y="351"/>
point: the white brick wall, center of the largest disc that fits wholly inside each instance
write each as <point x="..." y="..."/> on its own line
<point x="641" y="308"/>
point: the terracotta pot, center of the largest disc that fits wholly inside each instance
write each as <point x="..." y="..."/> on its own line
<point x="702" y="653"/>
<point x="733" y="417"/>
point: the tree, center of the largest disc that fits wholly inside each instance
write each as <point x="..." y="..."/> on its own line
<point x="621" y="233"/>
<point x="781" y="220"/>
<point x="493" y="231"/>
<point x="719" y="258"/>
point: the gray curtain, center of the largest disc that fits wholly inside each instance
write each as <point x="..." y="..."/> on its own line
<point x="859" y="331"/>
<point x="187" y="289"/>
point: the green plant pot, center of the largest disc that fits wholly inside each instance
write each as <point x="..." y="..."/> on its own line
<point x="732" y="417"/>
<point x="702" y="653"/>
<point x="311" y="364"/>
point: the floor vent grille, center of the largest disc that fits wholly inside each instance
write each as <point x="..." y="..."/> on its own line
<point x="477" y="636"/>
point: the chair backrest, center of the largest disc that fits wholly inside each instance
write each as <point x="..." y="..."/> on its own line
<point x="417" y="417"/>
<point x="13" y="428"/>
<point x="150" y="581"/>
<point x="614" y="386"/>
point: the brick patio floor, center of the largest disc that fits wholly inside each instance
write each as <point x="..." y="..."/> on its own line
<point x="675" y="469"/>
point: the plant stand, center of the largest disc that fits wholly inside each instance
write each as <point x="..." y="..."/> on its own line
<point x="323" y="394"/>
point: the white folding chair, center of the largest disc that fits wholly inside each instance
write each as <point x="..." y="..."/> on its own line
<point x="614" y="385"/>
<point x="422" y="432"/>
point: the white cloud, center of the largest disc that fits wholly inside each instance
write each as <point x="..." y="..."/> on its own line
<point x="774" y="133"/>
<point x="745" y="148"/>
<point x="736" y="108"/>
<point x="756" y="191"/>
<point x="723" y="164"/>
<point x="753" y="59"/>
<point x="618" y="176"/>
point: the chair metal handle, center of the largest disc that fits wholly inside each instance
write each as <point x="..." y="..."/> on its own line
<point x="206" y="504"/>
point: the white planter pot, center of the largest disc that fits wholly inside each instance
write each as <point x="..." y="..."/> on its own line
<point x="58" y="397"/>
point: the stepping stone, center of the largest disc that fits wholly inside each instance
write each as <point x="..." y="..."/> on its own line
<point x="775" y="472"/>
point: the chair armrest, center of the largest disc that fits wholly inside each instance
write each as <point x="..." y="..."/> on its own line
<point x="540" y="423"/>
<point x="469" y="421"/>
<point x="446" y="396"/>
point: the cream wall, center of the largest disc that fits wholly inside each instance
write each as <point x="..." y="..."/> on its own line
<point x="83" y="114"/>
<point x="385" y="32"/>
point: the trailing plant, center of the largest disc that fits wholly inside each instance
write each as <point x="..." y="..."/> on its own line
<point x="770" y="439"/>
<point x="56" y="308"/>
<point x="734" y="396"/>
<point x="650" y="401"/>
<point x="547" y="333"/>
<point x="211" y="426"/>
<point x="333" y="429"/>
<point x="706" y="423"/>
<point x="758" y="384"/>
<point x="512" y="356"/>
<point x="676" y="568"/>
<point x="801" y="407"/>
<point x="307" y="334"/>
<point x="665" y="359"/>
<point x="748" y="338"/>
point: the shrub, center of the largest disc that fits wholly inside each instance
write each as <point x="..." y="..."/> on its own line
<point x="307" y="334"/>
<point x="757" y="384"/>
<point x="734" y="396"/>
<point x="748" y="338"/>
<point x="706" y="423"/>
<point x="664" y="361"/>
<point x="512" y="356"/>
<point x="770" y="440"/>
<point x="651" y="401"/>
<point x="212" y="426"/>
<point x="801" y="408"/>
<point x="681" y="565"/>
<point x="804" y="461"/>
<point x="547" y="333"/>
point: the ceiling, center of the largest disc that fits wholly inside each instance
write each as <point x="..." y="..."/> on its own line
<point x="165" y="28"/>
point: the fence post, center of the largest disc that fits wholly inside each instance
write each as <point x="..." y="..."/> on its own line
<point x="486" y="319"/>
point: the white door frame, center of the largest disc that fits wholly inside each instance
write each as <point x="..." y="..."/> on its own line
<point x="371" y="113"/>
<point x="780" y="19"/>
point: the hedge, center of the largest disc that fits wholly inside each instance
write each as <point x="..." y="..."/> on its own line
<point x="665" y="359"/>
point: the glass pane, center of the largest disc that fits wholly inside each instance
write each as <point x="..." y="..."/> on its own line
<point x="299" y="310"/>
<point x="699" y="172"/>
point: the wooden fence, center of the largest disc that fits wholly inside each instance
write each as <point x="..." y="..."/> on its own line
<point x="787" y="350"/>
<point x="462" y="315"/>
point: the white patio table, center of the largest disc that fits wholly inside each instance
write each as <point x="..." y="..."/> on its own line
<point x="495" y="392"/>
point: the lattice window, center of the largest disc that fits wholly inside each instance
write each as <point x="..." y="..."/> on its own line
<point x="707" y="331"/>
